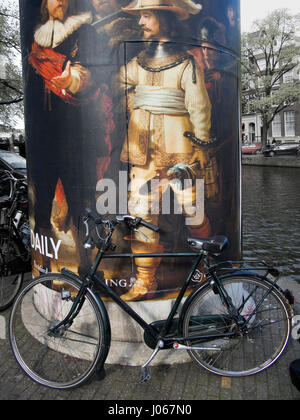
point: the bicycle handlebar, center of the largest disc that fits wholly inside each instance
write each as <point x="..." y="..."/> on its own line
<point x="135" y="221"/>
<point x="149" y="225"/>
<point x="131" y="221"/>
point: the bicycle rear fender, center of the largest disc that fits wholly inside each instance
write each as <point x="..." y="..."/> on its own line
<point x="233" y="273"/>
<point x="247" y="273"/>
<point x="286" y="293"/>
<point x="187" y="304"/>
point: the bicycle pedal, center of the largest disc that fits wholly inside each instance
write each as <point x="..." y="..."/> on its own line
<point x="145" y="374"/>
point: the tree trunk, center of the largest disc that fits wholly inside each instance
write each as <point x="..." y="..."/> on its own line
<point x="265" y="129"/>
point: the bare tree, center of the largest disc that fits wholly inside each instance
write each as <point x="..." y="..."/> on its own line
<point x="269" y="54"/>
<point x="11" y="88"/>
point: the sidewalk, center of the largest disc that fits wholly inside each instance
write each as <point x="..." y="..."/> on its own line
<point x="179" y="383"/>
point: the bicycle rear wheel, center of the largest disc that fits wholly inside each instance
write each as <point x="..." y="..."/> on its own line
<point x="10" y="284"/>
<point x="249" y="350"/>
<point x="65" y="358"/>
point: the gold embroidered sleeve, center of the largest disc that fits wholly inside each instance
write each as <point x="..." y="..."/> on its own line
<point x="197" y="101"/>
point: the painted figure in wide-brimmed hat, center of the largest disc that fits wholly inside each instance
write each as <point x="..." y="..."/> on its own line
<point x="166" y="96"/>
<point x="182" y="8"/>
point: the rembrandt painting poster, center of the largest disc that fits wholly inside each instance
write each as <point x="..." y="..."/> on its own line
<point x="131" y="108"/>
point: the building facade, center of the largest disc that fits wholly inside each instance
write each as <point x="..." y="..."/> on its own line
<point x="285" y="126"/>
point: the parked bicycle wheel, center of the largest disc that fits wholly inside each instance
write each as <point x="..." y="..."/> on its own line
<point x="257" y="342"/>
<point x="10" y="284"/>
<point x="62" y="358"/>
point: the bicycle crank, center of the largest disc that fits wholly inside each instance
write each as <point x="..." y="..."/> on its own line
<point x="177" y="346"/>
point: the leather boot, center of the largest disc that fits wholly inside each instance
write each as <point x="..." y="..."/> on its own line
<point x="145" y="284"/>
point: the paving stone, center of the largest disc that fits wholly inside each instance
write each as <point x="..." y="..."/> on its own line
<point x="180" y="383"/>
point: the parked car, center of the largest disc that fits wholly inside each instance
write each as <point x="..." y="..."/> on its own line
<point x="13" y="163"/>
<point x="251" y="149"/>
<point x="288" y="148"/>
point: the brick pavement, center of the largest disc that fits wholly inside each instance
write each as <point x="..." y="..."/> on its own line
<point x="184" y="382"/>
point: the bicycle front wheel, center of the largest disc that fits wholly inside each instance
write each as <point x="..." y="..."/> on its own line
<point x="254" y="343"/>
<point x="10" y="284"/>
<point x="63" y="358"/>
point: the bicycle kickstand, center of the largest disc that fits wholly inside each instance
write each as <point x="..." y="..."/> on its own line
<point x="145" y="374"/>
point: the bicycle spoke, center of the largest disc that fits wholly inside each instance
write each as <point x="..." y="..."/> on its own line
<point x="257" y="342"/>
<point x="62" y="357"/>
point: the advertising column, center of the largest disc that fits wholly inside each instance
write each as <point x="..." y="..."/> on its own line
<point x="132" y="108"/>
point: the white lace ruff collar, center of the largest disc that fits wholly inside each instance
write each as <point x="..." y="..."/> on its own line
<point x="57" y="31"/>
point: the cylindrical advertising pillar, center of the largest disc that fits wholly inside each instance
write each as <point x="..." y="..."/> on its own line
<point x="132" y="108"/>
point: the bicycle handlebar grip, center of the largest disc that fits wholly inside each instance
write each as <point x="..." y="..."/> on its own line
<point x="97" y="219"/>
<point x="149" y="225"/>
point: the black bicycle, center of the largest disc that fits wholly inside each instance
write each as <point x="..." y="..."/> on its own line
<point x="14" y="237"/>
<point x="237" y="323"/>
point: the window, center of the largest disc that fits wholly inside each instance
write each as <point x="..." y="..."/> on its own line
<point x="252" y="132"/>
<point x="262" y="64"/>
<point x="276" y="126"/>
<point x="288" y="76"/>
<point x="251" y="62"/>
<point x="289" y="123"/>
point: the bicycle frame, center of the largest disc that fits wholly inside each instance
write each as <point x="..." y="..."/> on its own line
<point x="212" y="315"/>
<point x="153" y="333"/>
<point x="158" y="330"/>
<point x="117" y="299"/>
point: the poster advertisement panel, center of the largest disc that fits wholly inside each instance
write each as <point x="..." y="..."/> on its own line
<point x="132" y="108"/>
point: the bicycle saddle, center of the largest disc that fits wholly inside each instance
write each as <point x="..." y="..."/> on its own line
<point x="214" y="244"/>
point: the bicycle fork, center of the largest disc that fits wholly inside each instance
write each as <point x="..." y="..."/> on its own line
<point x="74" y="311"/>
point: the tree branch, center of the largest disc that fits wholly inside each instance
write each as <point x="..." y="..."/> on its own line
<point x="13" y="101"/>
<point x="9" y="86"/>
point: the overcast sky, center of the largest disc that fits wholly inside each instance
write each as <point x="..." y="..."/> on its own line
<point x="257" y="9"/>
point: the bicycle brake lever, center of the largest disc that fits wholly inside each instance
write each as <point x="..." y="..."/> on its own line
<point x="85" y="221"/>
<point x="120" y="219"/>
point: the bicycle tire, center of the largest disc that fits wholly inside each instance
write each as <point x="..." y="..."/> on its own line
<point x="10" y="284"/>
<point x="246" y="353"/>
<point x="68" y="358"/>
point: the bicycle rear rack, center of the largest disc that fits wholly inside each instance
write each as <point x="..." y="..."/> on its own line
<point x="251" y="265"/>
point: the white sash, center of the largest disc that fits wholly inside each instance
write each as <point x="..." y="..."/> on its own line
<point x="158" y="100"/>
